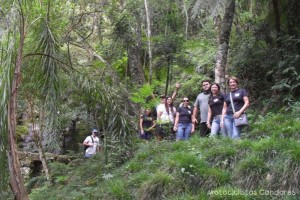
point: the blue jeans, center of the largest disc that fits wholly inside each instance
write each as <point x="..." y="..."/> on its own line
<point x="215" y="127"/>
<point x="232" y="130"/>
<point x="183" y="131"/>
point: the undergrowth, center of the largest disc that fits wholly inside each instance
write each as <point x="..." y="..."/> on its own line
<point x="264" y="164"/>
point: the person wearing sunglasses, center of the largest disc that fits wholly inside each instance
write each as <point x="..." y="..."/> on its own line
<point x="183" y="121"/>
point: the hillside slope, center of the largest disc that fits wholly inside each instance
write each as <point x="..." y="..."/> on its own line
<point x="265" y="164"/>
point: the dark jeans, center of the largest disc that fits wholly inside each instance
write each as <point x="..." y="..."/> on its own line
<point x="204" y="131"/>
<point x="165" y="131"/>
<point x="146" y="136"/>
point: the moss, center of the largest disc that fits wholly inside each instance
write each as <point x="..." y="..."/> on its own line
<point x="21" y="131"/>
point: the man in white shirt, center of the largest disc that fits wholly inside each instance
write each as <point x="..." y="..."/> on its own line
<point x="92" y="144"/>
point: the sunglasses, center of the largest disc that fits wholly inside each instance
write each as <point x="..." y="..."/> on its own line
<point x="185" y="100"/>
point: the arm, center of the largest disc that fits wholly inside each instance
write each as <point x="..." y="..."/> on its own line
<point x="245" y="106"/>
<point x="153" y="125"/>
<point x="208" y="117"/>
<point x="159" y="113"/>
<point x="177" y="86"/>
<point x="223" y="115"/>
<point x="195" y="112"/>
<point x="87" y="142"/>
<point x="141" y="125"/>
<point x="176" y="121"/>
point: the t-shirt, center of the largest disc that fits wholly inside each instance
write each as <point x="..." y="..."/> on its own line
<point x="216" y="104"/>
<point x="202" y="105"/>
<point x="165" y="116"/>
<point x="92" y="149"/>
<point x="147" y="121"/>
<point x="185" y="115"/>
<point x="237" y="98"/>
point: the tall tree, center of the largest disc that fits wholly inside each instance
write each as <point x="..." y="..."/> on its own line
<point x="149" y="39"/>
<point x="16" y="180"/>
<point x="222" y="52"/>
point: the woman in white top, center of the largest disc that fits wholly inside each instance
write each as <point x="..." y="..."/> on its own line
<point x="165" y="120"/>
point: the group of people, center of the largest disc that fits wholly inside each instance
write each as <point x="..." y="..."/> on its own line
<point x="217" y="113"/>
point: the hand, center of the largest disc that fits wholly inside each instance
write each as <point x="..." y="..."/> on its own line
<point x="221" y="124"/>
<point x="208" y="125"/>
<point x="175" y="128"/>
<point x="237" y="114"/>
<point x="142" y="132"/>
<point x="177" y="85"/>
<point x="193" y="130"/>
<point x="194" y="120"/>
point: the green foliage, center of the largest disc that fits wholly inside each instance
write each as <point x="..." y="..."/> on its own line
<point x="200" y="168"/>
<point x="142" y="96"/>
<point x="21" y="131"/>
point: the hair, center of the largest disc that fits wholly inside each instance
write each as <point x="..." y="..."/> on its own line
<point x="216" y="85"/>
<point x="166" y="104"/>
<point x="211" y="95"/>
<point x="233" y="78"/>
<point x="206" y="80"/>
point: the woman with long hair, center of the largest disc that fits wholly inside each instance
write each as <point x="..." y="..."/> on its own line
<point x="165" y="119"/>
<point x="215" y="107"/>
<point x="231" y="111"/>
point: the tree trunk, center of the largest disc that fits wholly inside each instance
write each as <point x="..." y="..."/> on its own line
<point x="221" y="57"/>
<point x="135" y="65"/>
<point x="276" y="15"/>
<point x="186" y="20"/>
<point x="16" y="179"/>
<point x="149" y="40"/>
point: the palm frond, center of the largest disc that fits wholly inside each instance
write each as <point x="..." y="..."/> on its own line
<point x="7" y="67"/>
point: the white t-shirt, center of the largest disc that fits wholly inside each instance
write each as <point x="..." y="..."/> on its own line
<point x="165" y="117"/>
<point x="92" y="149"/>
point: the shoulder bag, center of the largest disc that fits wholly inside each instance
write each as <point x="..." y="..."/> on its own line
<point x="242" y="120"/>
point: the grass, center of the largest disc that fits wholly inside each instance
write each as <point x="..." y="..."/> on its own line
<point x="200" y="168"/>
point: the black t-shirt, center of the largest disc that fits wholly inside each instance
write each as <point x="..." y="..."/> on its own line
<point x="216" y="104"/>
<point x="237" y="98"/>
<point x="185" y="115"/>
<point x="147" y="121"/>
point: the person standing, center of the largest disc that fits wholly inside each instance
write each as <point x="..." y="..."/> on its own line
<point x="201" y="104"/>
<point x="92" y="144"/>
<point x="147" y="123"/>
<point x="165" y="120"/>
<point x="215" y="107"/>
<point x="240" y="102"/>
<point x="183" y="121"/>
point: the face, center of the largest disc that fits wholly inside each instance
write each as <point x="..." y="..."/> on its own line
<point x="169" y="100"/>
<point x="185" y="101"/>
<point x="147" y="111"/>
<point x="232" y="84"/>
<point x="214" y="89"/>
<point x="162" y="100"/>
<point x="95" y="133"/>
<point x="205" y="86"/>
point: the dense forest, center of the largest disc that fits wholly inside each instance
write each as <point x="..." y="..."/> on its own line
<point x="67" y="67"/>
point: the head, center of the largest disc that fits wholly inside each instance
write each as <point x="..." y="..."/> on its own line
<point x="205" y="85"/>
<point x="215" y="88"/>
<point x="169" y="104"/>
<point x="233" y="83"/>
<point x="147" y="111"/>
<point x="162" y="99"/>
<point x="185" y="102"/>
<point x="95" y="132"/>
<point x="169" y="101"/>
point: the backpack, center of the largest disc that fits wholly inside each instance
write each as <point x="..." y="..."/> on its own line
<point x="86" y="147"/>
